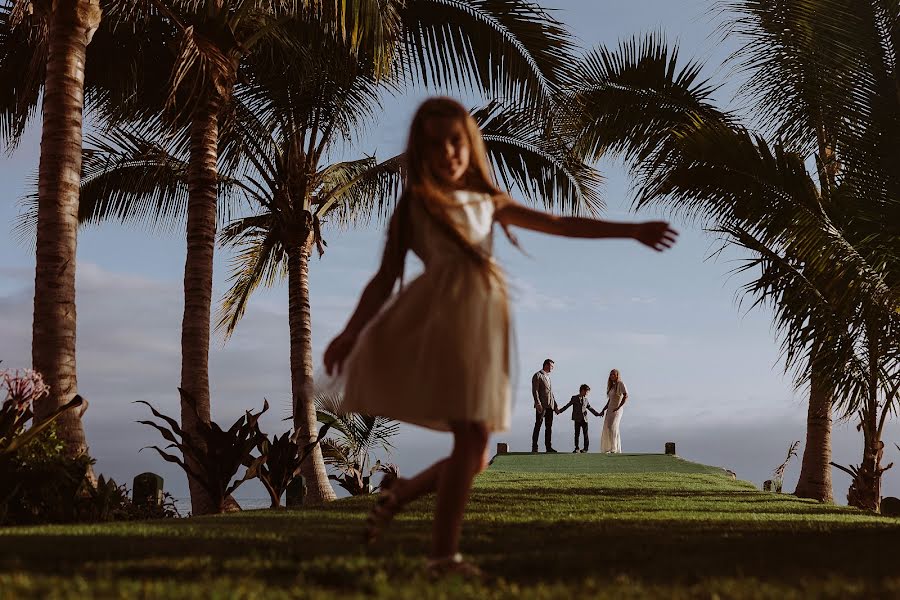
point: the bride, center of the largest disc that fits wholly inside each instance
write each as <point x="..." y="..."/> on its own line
<point x="616" y="395"/>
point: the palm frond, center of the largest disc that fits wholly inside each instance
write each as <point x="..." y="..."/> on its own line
<point x="23" y="60"/>
<point x="798" y="57"/>
<point x="503" y="48"/>
<point x="353" y="192"/>
<point x="631" y="101"/>
<point x="261" y="260"/>
<point x="528" y="154"/>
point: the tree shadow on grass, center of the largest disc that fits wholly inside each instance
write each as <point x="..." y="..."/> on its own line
<point x="521" y="535"/>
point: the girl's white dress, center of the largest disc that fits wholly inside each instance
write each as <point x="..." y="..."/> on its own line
<point x="439" y="351"/>
<point x="610" y="440"/>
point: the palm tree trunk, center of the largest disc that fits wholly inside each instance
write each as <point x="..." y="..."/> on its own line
<point x="71" y="25"/>
<point x="198" y="273"/>
<point x="865" y="490"/>
<point x="318" y="487"/>
<point x="815" y="472"/>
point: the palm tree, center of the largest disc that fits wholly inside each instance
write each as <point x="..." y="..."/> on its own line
<point x="823" y="77"/>
<point x="820" y="78"/>
<point x="355" y="437"/>
<point x="198" y="49"/>
<point x="826" y="282"/>
<point x="298" y="193"/>
<point x="511" y="46"/>
<point x="64" y="30"/>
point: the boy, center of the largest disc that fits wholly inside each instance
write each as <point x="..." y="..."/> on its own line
<point x="580" y="407"/>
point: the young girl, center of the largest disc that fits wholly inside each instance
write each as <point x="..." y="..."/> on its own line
<point x="438" y="355"/>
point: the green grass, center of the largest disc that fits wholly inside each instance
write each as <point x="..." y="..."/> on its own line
<point x="525" y="462"/>
<point x="596" y="533"/>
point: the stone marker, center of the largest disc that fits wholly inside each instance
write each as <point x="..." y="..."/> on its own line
<point x="147" y="490"/>
<point x="890" y="506"/>
<point x="296" y="491"/>
<point x="502" y="448"/>
<point x="670" y="448"/>
<point x="767" y="485"/>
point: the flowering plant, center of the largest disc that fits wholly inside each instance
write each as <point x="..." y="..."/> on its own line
<point x="23" y="387"/>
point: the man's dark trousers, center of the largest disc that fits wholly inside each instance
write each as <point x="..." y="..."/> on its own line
<point x="579" y="427"/>
<point x="547" y="418"/>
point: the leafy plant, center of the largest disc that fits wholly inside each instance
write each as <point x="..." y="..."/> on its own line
<point x="22" y="389"/>
<point x="109" y="501"/>
<point x="357" y="436"/>
<point x="282" y="460"/>
<point x="779" y="470"/>
<point x="213" y="456"/>
<point x="106" y="501"/>
<point x="38" y="482"/>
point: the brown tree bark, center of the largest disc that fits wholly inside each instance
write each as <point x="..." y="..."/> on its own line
<point x="865" y="489"/>
<point x="71" y="25"/>
<point x="198" y="274"/>
<point x="318" y="486"/>
<point x="815" y="471"/>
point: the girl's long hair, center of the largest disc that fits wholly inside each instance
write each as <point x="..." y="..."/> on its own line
<point x="423" y="186"/>
<point x="609" y="382"/>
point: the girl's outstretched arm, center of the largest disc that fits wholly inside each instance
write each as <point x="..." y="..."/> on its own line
<point x="654" y="234"/>
<point x="376" y="293"/>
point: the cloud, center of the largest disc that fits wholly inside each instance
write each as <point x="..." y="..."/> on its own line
<point x="527" y="297"/>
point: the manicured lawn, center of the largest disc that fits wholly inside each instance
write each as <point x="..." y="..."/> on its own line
<point x="644" y="532"/>
<point x="595" y="463"/>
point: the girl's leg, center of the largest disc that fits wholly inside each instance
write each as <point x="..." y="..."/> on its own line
<point x="470" y="441"/>
<point x="404" y="491"/>
<point x="425" y="482"/>
<point x="398" y="494"/>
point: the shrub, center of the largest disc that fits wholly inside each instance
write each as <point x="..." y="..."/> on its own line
<point x="350" y="450"/>
<point x="213" y="455"/>
<point x="38" y="482"/>
<point x="282" y="459"/>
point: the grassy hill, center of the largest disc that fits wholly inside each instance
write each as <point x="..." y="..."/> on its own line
<point x="565" y="526"/>
<point x="526" y="462"/>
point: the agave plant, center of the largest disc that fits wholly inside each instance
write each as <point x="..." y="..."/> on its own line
<point x="350" y="451"/>
<point x="283" y="457"/>
<point x="213" y="455"/>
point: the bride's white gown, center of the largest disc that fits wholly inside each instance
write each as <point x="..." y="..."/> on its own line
<point x="610" y="440"/>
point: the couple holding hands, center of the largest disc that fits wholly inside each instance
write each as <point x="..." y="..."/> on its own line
<point x="545" y="407"/>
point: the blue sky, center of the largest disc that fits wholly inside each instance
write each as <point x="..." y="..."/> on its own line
<point x="700" y="371"/>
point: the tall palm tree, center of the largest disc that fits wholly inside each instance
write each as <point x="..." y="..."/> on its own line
<point x="297" y="191"/>
<point x="64" y="30"/>
<point x="178" y="54"/>
<point x="508" y="45"/>
<point x="820" y="76"/>
<point x="823" y="78"/>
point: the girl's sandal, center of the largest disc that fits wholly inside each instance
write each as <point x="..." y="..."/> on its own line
<point x="386" y="506"/>
<point x="452" y="566"/>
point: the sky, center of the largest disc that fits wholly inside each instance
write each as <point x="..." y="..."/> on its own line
<point x="701" y="370"/>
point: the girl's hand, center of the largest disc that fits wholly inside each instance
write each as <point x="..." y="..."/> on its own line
<point x="656" y="234"/>
<point x="338" y="350"/>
